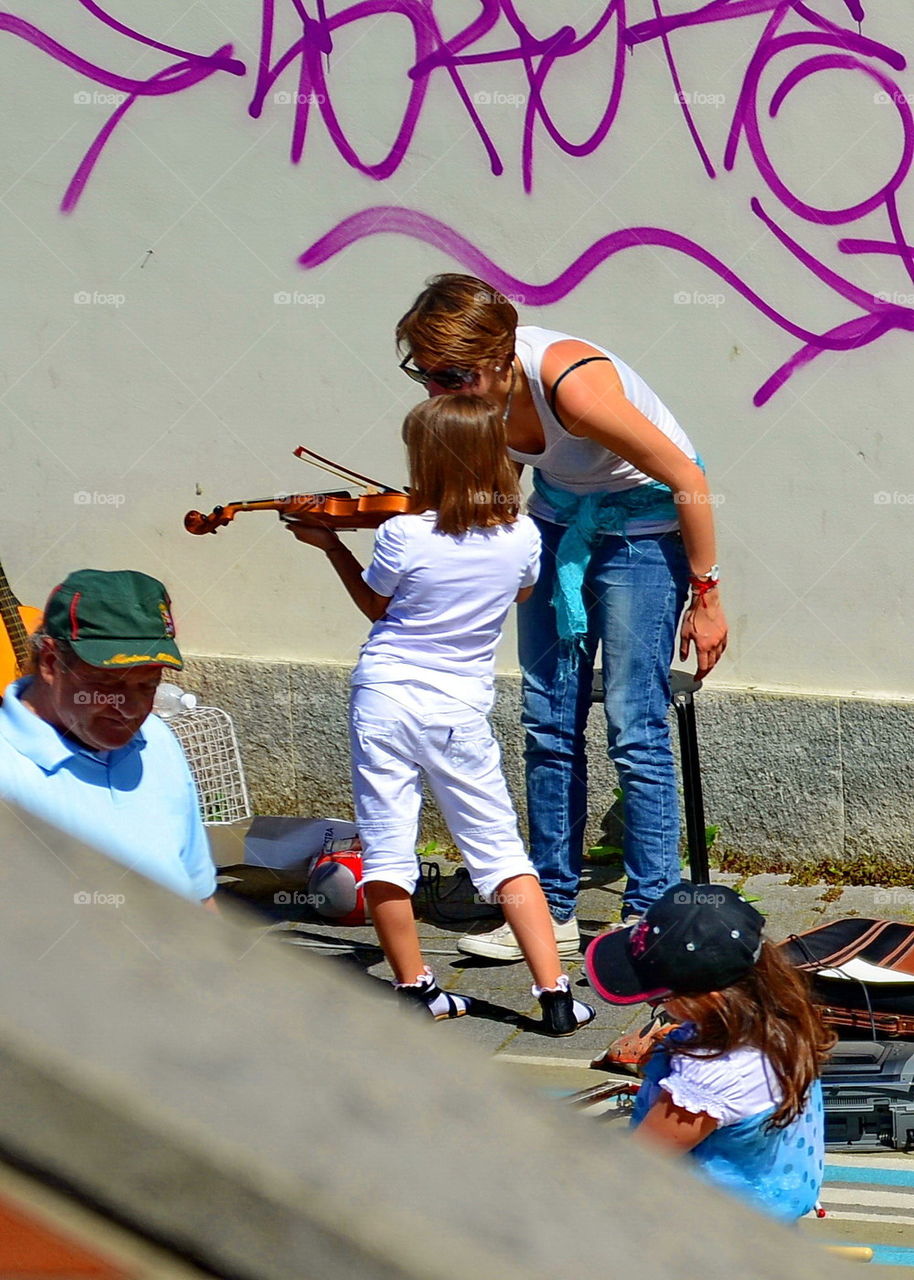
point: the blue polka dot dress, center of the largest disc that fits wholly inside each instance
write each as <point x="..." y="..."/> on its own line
<point x="778" y="1171"/>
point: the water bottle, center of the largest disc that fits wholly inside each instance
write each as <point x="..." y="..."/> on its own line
<point x="171" y="701"/>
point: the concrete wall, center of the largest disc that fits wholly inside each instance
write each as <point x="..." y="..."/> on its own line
<point x="203" y="271"/>
<point x="789" y="779"/>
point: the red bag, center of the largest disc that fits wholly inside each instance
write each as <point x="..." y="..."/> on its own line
<point x="334" y="886"/>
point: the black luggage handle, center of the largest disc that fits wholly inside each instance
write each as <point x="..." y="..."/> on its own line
<point x="683" y="687"/>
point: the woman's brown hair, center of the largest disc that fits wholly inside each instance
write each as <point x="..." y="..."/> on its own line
<point x="771" y="1010"/>
<point x="459" y="321"/>
<point x="459" y="464"/>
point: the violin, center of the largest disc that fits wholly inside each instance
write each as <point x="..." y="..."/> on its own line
<point x="336" y="509"/>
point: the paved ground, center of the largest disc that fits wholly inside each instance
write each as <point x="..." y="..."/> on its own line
<point x="869" y="1198"/>
<point x="505" y="1018"/>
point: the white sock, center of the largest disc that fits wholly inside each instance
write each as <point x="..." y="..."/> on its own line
<point x="562" y="983"/>
<point x="583" y="1013"/>
<point x="446" y="1004"/>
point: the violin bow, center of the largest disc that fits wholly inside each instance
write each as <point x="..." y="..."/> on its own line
<point x="337" y="469"/>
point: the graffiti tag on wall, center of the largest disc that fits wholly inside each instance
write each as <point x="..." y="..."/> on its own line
<point x="794" y="40"/>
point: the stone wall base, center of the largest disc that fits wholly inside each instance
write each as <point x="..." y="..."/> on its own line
<point x="789" y="778"/>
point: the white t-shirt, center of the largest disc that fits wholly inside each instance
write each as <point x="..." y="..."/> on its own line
<point x="450" y="595"/>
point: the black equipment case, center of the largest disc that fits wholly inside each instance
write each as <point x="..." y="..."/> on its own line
<point x="868" y="1090"/>
<point x="862" y="974"/>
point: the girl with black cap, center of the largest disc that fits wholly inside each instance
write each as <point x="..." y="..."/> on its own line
<point x="736" y="1085"/>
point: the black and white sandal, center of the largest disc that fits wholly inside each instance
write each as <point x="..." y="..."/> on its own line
<point x="426" y="994"/>
<point x="562" y="1014"/>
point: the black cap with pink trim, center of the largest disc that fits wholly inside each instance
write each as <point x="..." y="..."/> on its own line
<point x="693" y="939"/>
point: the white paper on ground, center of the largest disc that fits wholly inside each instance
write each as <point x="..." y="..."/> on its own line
<point x="290" y="844"/>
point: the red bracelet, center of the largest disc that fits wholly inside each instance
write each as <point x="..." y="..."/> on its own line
<point x="701" y="587"/>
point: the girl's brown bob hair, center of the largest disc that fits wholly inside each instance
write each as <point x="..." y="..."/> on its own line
<point x="770" y="1009"/>
<point x="459" y="321"/>
<point x="459" y="464"/>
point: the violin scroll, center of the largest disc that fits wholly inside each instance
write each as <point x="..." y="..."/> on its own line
<point x="197" y="522"/>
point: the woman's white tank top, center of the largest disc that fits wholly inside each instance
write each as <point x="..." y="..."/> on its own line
<point x="572" y="462"/>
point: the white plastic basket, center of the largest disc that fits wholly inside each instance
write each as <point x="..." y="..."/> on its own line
<point x="207" y="736"/>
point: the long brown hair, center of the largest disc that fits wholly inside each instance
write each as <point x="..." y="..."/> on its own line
<point x="770" y="1009"/>
<point x="459" y="464"/>
<point x="461" y="321"/>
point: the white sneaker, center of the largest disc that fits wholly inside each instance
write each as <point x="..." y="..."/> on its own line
<point x="628" y="923"/>
<point x="501" y="944"/>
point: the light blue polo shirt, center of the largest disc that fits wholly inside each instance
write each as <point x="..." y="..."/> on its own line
<point x="138" y="804"/>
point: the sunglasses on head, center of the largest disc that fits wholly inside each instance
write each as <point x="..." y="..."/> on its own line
<point x="450" y="379"/>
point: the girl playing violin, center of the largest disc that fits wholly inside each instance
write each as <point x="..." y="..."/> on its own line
<point x="438" y="589"/>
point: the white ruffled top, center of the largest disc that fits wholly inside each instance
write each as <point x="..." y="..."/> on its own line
<point x="729" y="1088"/>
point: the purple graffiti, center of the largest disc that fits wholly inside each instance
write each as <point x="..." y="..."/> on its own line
<point x="312" y="88"/>
<point x="789" y="40"/>
<point x="181" y="75"/>
<point x="835" y="48"/>
<point x="857" y="333"/>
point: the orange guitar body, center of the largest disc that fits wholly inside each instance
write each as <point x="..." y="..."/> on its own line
<point x="17" y="622"/>
<point x="10" y="667"/>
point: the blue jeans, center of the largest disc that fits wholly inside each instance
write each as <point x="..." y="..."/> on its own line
<point x="635" y="590"/>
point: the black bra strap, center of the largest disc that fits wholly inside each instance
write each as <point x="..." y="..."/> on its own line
<point x="555" y="386"/>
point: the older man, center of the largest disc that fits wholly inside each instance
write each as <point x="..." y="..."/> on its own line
<point x="78" y="746"/>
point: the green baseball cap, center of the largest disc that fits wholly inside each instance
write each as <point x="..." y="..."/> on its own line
<point x="114" y="619"/>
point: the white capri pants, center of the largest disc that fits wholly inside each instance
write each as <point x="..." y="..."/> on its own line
<point x="392" y="746"/>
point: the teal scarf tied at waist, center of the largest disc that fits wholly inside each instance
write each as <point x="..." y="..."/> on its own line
<point x="588" y="516"/>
